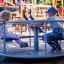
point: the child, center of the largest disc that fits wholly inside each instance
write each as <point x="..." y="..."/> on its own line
<point x="5" y="15"/>
<point x="52" y="37"/>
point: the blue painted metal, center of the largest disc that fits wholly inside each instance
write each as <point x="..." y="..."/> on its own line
<point x="30" y="21"/>
<point x="33" y="54"/>
<point x="4" y="42"/>
<point x="29" y="35"/>
<point x="36" y="46"/>
<point x="45" y="40"/>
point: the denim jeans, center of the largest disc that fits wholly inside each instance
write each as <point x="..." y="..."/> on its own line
<point x="53" y="37"/>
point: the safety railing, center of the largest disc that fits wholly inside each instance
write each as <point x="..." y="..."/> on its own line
<point x="32" y="22"/>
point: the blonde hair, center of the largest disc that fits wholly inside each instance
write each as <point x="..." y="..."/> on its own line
<point x="5" y="15"/>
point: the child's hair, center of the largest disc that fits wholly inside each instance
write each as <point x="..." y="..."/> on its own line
<point x="5" y="15"/>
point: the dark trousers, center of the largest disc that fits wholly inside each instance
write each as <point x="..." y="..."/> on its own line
<point x="53" y="37"/>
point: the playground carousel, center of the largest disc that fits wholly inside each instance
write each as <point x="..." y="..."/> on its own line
<point x="37" y="48"/>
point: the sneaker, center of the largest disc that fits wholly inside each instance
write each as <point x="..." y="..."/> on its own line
<point x="58" y="49"/>
<point x="21" y="45"/>
<point x="53" y="49"/>
<point x="24" y="45"/>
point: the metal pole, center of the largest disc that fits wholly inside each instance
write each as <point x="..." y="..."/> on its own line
<point x="36" y="47"/>
<point x="45" y="40"/>
<point x="29" y="35"/>
<point x="4" y="42"/>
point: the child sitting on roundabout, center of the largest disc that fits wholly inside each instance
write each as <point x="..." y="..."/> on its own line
<point x="57" y="30"/>
<point x="5" y="16"/>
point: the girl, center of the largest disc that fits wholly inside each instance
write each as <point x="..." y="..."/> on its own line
<point x="5" y="16"/>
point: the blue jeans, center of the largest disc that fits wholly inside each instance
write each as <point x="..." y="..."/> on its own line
<point x="53" y="37"/>
<point x="40" y="30"/>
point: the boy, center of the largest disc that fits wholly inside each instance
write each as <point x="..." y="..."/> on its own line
<point x="52" y="37"/>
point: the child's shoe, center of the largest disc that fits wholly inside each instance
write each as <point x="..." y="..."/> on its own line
<point x="58" y="49"/>
<point x="24" y="44"/>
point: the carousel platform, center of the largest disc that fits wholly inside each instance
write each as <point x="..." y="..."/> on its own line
<point x="29" y="53"/>
<point x="33" y="52"/>
<point x="13" y="51"/>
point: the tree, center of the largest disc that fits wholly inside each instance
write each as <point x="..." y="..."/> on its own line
<point x="49" y="2"/>
<point x="59" y="4"/>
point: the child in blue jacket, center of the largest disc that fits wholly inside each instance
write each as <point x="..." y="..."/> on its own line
<point x="57" y="30"/>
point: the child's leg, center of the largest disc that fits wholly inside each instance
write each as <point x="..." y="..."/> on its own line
<point x="50" y="36"/>
<point x="52" y="41"/>
<point x="17" y="39"/>
<point x="57" y="44"/>
<point x="52" y="44"/>
<point x="14" y="37"/>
